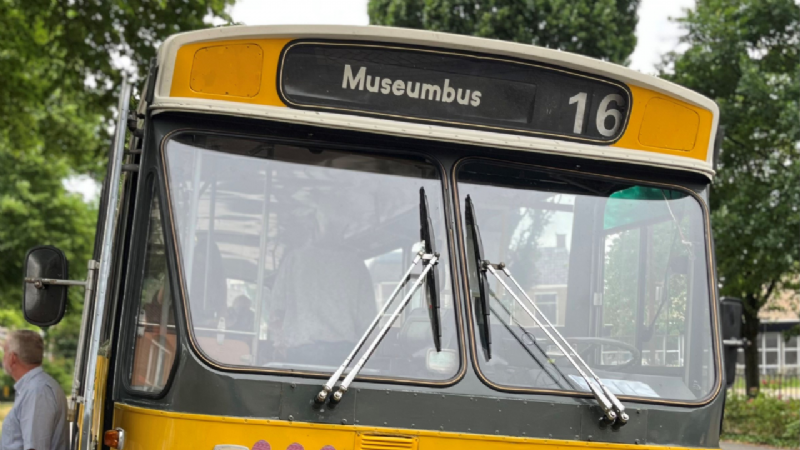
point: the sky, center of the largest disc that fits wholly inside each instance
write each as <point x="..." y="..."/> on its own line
<point x="656" y="34"/>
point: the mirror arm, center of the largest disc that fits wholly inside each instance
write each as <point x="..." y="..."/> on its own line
<point x="39" y="283"/>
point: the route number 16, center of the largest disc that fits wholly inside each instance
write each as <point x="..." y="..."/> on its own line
<point x="602" y="113"/>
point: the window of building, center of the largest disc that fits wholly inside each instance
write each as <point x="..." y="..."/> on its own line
<point x="547" y="303"/>
<point x="770" y="352"/>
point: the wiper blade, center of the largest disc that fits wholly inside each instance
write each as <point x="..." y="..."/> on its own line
<point x="432" y="282"/>
<point x="613" y="410"/>
<point x="430" y="259"/>
<point x="482" y="302"/>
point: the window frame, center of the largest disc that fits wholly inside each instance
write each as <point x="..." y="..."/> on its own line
<point x="470" y="313"/>
<point x="402" y="153"/>
<point x="150" y="190"/>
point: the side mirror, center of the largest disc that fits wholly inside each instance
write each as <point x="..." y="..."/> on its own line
<point x="44" y="302"/>
<point x="731" y="323"/>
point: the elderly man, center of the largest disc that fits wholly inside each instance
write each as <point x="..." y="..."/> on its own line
<point x="38" y="420"/>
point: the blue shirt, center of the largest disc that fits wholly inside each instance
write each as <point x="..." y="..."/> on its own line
<point x="38" y="419"/>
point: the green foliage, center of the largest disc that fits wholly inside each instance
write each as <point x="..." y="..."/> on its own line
<point x="597" y="28"/>
<point x="56" y="105"/>
<point x="762" y="420"/>
<point x="744" y="54"/>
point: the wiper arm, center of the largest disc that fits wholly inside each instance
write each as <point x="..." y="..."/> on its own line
<point x="429" y="261"/>
<point x="613" y="410"/>
<point x="328" y="386"/>
<point x="429" y="258"/>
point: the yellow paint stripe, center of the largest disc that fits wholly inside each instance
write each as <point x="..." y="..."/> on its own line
<point x="666" y="120"/>
<point x="267" y="93"/>
<point x="148" y="428"/>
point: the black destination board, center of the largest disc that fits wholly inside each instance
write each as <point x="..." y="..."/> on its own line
<point x="455" y="89"/>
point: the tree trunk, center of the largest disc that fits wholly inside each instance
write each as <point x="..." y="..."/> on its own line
<point x="751" y="356"/>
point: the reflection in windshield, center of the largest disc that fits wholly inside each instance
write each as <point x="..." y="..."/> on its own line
<point x="293" y="251"/>
<point x="620" y="270"/>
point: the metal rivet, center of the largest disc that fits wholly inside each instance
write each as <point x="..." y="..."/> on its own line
<point x="293" y="385"/>
<point x="386" y="423"/>
<point x="589" y="438"/>
<point x="291" y="417"/>
<point x="636" y="441"/>
<point x="344" y="421"/>
<point x="322" y="410"/>
<point x="441" y="427"/>
<point x="357" y="421"/>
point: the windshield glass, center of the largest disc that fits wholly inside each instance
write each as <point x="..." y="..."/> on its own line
<point x="289" y="252"/>
<point x="621" y="270"/>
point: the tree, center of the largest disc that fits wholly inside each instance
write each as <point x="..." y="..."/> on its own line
<point x="745" y="55"/>
<point x="598" y="28"/>
<point x="56" y="105"/>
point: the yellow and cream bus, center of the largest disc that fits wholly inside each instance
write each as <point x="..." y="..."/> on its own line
<point x="335" y="238"/>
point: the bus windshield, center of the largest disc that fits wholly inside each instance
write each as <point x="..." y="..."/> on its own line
<point x="289" y="252"/>
<point x="621" y="270"/>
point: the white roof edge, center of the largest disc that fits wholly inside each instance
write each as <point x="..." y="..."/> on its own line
<point x="436" y="39"/>
<point x="434" y="133"/>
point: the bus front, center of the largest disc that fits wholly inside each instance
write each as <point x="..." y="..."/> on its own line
<point x="362" y="238"/>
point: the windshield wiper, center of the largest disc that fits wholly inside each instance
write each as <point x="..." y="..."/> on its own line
<point x="613" y="410"/>
<point x="430" y="259"/>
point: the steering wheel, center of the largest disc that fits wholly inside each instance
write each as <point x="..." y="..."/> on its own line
<point x="591" y="342"/>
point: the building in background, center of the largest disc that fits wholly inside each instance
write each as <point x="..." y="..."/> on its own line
<point x="777" y="355"/>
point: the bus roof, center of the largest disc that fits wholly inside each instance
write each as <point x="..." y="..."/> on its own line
<point x="237" y="71"/>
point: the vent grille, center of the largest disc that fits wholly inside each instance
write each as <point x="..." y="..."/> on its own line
<point x="378" y="442"/>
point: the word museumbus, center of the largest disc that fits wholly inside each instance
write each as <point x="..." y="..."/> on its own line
<point x="334" y="238"/>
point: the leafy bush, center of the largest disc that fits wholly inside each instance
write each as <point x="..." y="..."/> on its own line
<point x="765" y="419"/>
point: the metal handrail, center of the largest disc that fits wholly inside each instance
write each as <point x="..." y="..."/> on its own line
<point x="86" y="441"/>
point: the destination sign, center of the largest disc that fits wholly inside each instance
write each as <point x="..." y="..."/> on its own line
<point x="455" y="89"/>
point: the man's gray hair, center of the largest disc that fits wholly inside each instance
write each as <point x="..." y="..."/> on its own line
<point x="28" y="345"/>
